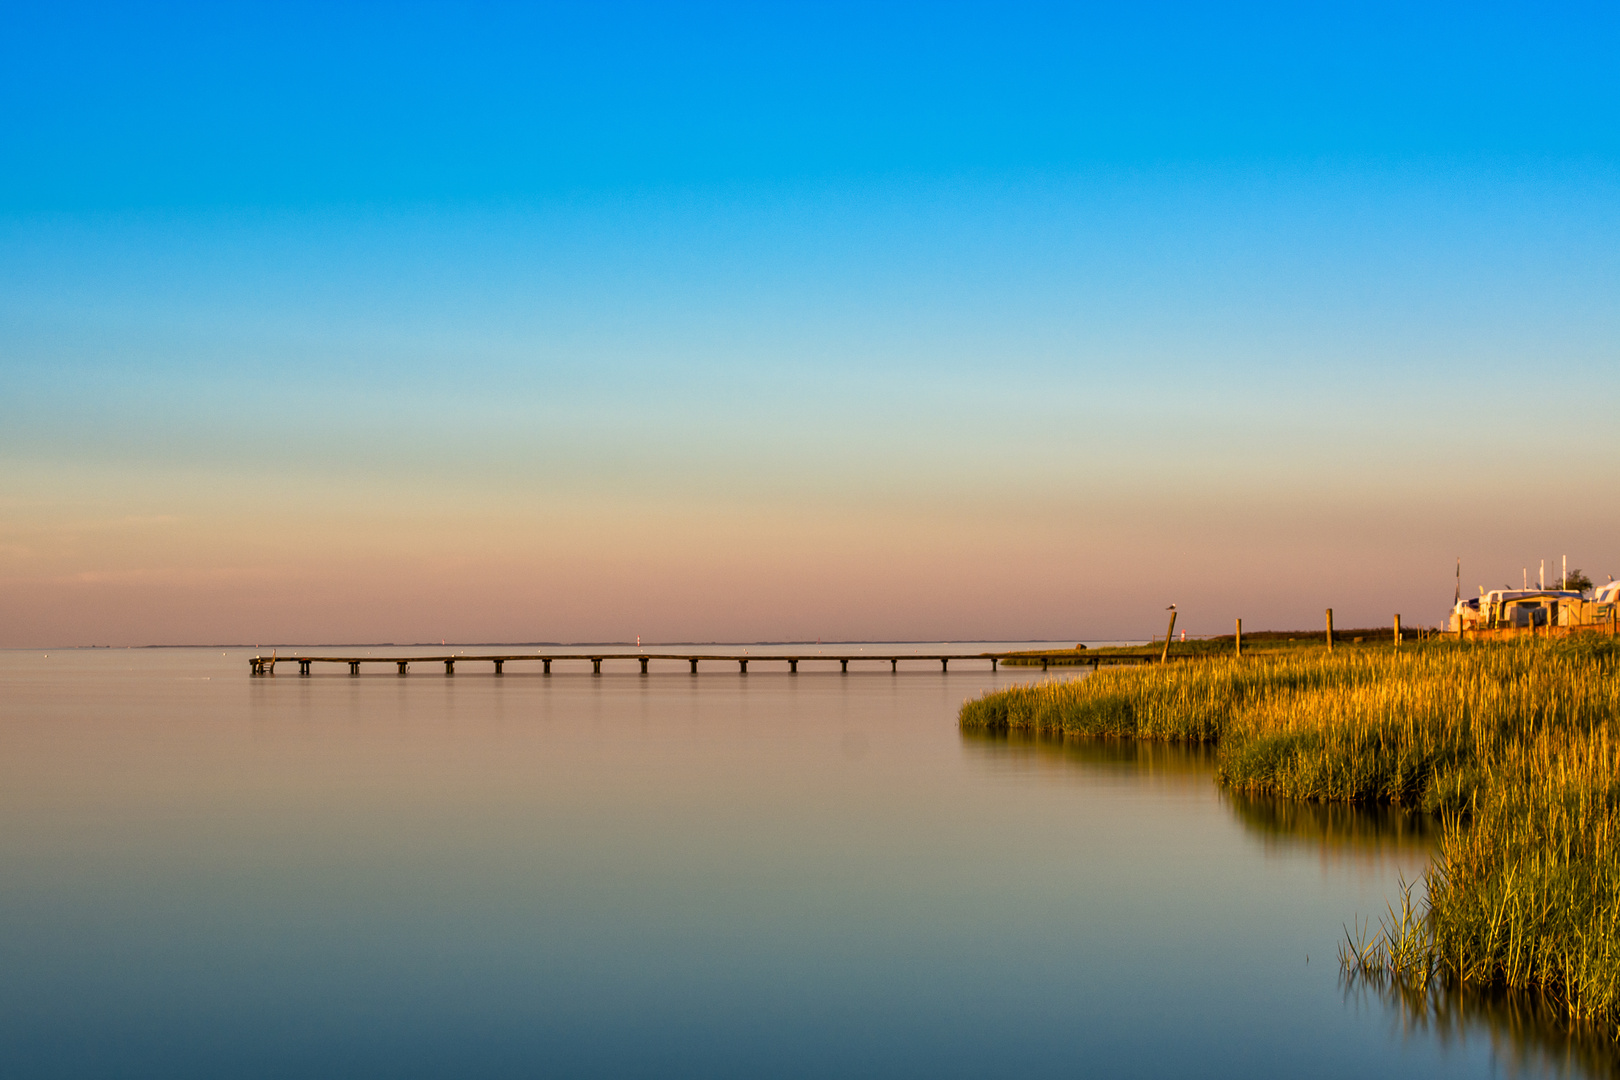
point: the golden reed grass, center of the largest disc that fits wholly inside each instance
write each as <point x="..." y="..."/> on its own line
<point x="1515" y="745"/>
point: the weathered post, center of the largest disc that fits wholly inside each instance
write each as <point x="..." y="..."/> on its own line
<point x="403" y="666"/>
<point x="1168" y="634"/>
<point x="354" y="667"/>
<point x="1397" y="631"/>
<point x="498" y="664"/>
<point x="1237" y="641"/>
<point x="596" y="665"/>
<point x="643" y="665"/>
<point x="1330" y="629"/>
<point x="843" y="665"/>
<point x="449" y="667"/>
<point x="793" y="665"/>
<point x="993" y="662"/>
<point x="694" y="665"/>
<point x="894" y="665"/>
<point x="545" y="668"/>
<point x="944" y="664"/>
<point x="742" y="667"/>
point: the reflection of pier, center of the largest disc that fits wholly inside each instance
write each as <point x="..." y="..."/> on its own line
<point x="266" y="665"/>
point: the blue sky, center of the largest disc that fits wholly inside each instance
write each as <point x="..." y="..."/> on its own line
<point x="733" y="322"/>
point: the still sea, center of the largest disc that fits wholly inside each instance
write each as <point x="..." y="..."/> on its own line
<point x="204" y="874"/>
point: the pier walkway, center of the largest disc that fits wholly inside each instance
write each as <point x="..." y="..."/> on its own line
<point x="266" y="665"/>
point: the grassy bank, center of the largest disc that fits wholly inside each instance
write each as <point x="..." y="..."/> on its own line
<point x="1516" y="746"/>
<point x="1254" y="641"/>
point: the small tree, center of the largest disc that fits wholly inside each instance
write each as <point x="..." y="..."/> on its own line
<point x="1578" y="582"/>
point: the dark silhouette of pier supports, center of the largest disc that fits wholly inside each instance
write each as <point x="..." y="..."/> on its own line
<point x="266" y="665"/>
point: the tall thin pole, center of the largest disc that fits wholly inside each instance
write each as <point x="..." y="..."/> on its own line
<point x="1397" y="631"/>
<point x="1330" y="629"/>
<point x="1239" y="639"/>
<point x="1166" y="654"/>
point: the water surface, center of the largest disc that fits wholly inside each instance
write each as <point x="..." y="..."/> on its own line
<point x="204" y="874"/>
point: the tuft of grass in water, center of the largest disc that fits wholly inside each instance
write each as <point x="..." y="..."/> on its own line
<point x="1515" y="745"/>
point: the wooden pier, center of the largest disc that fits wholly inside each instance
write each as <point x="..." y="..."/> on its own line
<point x="266" y="665"/>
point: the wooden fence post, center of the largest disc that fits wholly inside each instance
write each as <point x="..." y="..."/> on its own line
<point x="1397" y="631"/>
<point x="1168" y="634"/>
<point x="1239" y="639"/>
<point x="1330" y="629"/>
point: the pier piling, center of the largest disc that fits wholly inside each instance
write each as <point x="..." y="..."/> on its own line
<point x="266" y="665"/>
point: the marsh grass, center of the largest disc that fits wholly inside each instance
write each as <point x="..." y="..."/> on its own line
<point x="1515" y="746"/>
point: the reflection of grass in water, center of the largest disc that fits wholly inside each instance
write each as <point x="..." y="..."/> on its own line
<point x="1516" y="745"/>
<point x="1530" y="1033"/>
<point x="1179" y="760"/>
<point x="1352" y="827"/>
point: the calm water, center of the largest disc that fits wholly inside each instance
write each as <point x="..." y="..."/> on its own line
<point x="203" y="874"/>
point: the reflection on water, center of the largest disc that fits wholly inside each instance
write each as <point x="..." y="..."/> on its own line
<point x="1339" y="829"/>
<point x="1166" y="760"/>
<point x="203" y="874"/>
<point x="1525" y="1032"/>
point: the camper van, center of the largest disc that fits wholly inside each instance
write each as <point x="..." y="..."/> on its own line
<point x="1519" y="609"/>
<point x="1598" y="610"/>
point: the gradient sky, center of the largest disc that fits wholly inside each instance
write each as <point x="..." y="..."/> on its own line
<point x="725" y="322"/>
